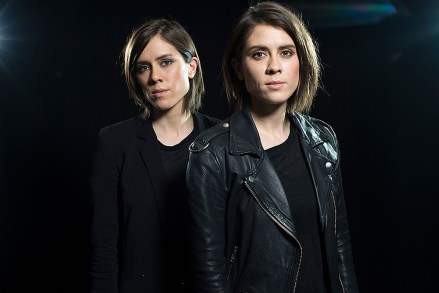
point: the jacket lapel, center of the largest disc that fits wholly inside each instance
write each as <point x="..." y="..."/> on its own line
<point x="266" y="187"/>
<point x="263" y="179"/>
<point x="150" y="154"/>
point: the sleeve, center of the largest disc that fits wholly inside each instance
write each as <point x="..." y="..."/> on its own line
<point x="344" y="251"/>
<point x="104" y="217"/>
<point x="207" y="201"/>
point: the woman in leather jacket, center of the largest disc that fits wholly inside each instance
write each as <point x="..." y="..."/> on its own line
<point x="265" y="190"/>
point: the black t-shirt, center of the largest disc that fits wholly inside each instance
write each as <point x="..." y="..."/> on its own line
<point x="174" y="160"/>
<point x="289" y="163"/>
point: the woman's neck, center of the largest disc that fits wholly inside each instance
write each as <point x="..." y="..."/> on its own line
<point x="272" y="124"/>
<point x="171" y="127"/>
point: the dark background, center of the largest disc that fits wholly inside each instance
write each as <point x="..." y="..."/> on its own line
<point x="60" y="82"/>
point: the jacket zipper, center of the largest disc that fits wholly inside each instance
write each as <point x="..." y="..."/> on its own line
<point x="231" y="260"/>
<point x="335" y="230"/>
<point x="281" y="226"/>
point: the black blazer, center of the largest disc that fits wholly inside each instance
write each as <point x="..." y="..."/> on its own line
<point x="130" y="217"/>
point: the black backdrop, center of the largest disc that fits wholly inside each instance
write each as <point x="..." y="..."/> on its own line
<point x="60" y="82"/>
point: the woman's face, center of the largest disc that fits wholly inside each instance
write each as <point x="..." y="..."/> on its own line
<point x="164" y="75"/>
<point x="269" y="66"/>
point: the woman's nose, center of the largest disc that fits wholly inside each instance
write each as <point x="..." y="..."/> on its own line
<point x="274" y="66"/>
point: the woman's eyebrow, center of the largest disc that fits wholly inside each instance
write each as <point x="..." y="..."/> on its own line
<point x="158" y="58"/>
<point x="263" y="47"/>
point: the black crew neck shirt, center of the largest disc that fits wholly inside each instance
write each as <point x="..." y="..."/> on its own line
<point x="289" y="163"/>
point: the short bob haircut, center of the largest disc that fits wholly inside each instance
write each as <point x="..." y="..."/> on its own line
<point x="280" y="16"/>
<point x="173" y="33"/>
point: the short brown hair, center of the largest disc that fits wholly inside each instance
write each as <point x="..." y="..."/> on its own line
<point x="173" y="33"/>
<point x="277" y="15"/>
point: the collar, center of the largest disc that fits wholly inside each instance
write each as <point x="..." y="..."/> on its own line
<point x="317" y="135"/>
<point x="244" y="137"/>
<point x="308" y="130"/>
<point x="146" y="132"/>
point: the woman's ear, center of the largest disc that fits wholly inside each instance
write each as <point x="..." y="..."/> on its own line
<point x="238" y="68"/>
<point x="193" y="67"/>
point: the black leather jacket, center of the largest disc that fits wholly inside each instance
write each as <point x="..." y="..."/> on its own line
<point x="244" y="237"/>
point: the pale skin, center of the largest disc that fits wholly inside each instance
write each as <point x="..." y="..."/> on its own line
<point x="164" y="76"/>
<point x="269" y="67"/>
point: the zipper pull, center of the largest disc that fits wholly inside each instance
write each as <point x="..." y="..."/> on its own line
<point x="232" y="259"/>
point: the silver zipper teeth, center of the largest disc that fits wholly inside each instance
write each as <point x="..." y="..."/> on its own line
<point x="283" y="228"/>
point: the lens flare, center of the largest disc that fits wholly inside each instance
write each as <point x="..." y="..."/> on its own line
<point x="8" y="40"/>
<point x="339" y="14"/>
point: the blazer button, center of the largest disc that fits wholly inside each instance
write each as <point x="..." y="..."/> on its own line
<point x="251" y="179"/>
<point x="328" y="165"/>
<point x="226" y="125"/>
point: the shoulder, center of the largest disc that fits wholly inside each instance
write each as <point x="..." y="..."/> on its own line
<point x="121" y="126"/>
<point x="217" y="134"/>
<point x="119" y="131"/>
<point x="318" y="135"/>
<point x="205" y="121"/>
<point x="314" y="130"/>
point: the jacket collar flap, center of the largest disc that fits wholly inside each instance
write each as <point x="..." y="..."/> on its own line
<point x="269" y="193"/>
<point x="316" y="137"/>
<point x="244" y="138"/>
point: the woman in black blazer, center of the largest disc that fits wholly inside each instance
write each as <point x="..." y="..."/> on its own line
<point x="138" y="189"/>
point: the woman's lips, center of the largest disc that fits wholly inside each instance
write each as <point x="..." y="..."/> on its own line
<point x="159" y="93"/>
<point x="275" y="84"/>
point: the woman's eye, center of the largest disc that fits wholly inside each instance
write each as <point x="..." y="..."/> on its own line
<point x="258" y="55"/>
<point x="287" y="53"/>
<point x="165" y="63"/>
<point x="142" y="68"/>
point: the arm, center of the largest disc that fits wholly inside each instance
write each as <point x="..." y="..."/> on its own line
<point x="104" y="226"/>
<point x="345" y="263"/>
<point x="207" y="201"/>
<point x="344" y="251"/>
